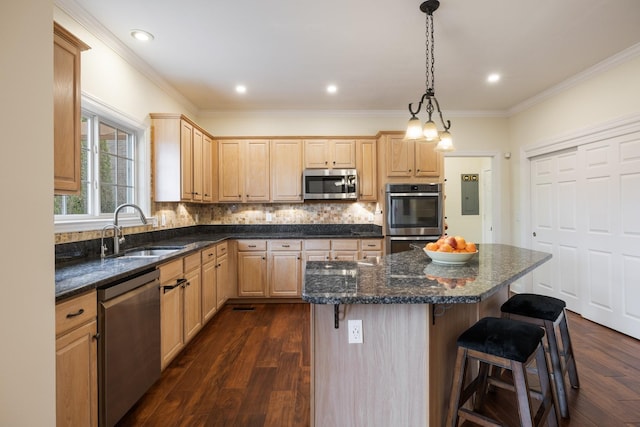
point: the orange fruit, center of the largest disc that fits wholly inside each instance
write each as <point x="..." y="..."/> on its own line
<point x="471" y="247"/>
<point x="445" y="247"/>
<point x="432" y="246"/>
<point x="460" y="242"/>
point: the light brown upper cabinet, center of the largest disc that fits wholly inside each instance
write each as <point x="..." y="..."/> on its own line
<point x="366" y="161"/>
<point x="184" y="158"/>
<point x="410" y="158"/>
<point x="243" y="173"/>
<point x="66" y="111"/>
<point x="286" y="170"/>
<point x="330" y="154"/>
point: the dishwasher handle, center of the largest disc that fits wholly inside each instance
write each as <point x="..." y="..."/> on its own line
<point x="179" y="282"/>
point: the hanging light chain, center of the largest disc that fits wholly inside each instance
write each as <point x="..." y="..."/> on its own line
<point x="430" y="52"/>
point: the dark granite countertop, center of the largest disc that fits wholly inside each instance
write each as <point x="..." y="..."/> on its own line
<point x="79" y="267"/>
<point x="412" y="278"/>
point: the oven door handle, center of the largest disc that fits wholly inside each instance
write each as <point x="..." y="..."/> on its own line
<point x="413" y="194"/>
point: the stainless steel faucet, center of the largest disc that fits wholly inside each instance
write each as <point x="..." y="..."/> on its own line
<point x="116" y="231"/>
<point x="117" y="240"/>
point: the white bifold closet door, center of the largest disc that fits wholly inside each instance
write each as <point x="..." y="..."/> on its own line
<point x="585" y="210"/>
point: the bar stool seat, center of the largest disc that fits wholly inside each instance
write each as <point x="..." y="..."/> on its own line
<point x="549" y="313"/>
<point x="506" y="344"/>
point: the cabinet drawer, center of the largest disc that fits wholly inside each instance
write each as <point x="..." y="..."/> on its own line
<point x="208" y="255"/>
<point x="76" y="311"/>
<point x="221" y="249"/>
<point x="252" y="245"/>
<point x="344" y="245"/>
<point x="371" y="245"/>
<point x="170" y="271"/>
<point x="285" y="245"/>
<point x="191" y="262"/>
<point x="317" y="245"/>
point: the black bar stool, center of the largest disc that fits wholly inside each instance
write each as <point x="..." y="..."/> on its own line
<point x="505" y="344"/>
<point x="548" y="313"/>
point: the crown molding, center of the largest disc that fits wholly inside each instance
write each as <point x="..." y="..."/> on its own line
<point x="601" y="67"/>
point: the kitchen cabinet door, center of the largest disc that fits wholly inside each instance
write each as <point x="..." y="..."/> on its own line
<point x="197" y="165"/>
<point x="343" y="153"/>
<point x="222" y="281"/>
<point x="77" y="377"/>
<point x="252" y="274"/>
<point x="230" y="171"/>
<point x="285" y="276"/>
<point x="366" y="165"/>
<point x="192" y="304"/>
<point x="428" y="162"/>
<point x="209" y="284"/>
<point x="256" y="174"/>
<point x="286" y="170"/>
<point x="330" y="154"/>
<point x="186" y="160"/>
<point x="209" y="156"/>
<point x="76" y="361"/>
<point x="411" y="159"/>
<point x="399" y="159"/>
<point x="66" y="111"/>
<point x="171" y="323"/>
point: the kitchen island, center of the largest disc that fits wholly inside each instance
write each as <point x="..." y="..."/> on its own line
<point x="412" y="311"/>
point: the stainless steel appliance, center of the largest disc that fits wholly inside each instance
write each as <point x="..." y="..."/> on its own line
<point x="129" y="355"/>
<point x="414" y="215"/>
<point x="324" y="184"/>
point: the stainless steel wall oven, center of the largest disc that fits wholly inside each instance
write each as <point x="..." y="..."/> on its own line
<point x="414" y="213"/>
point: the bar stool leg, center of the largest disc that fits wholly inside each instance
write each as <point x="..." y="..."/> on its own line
<point x="546" y="390"/>
<point x="456" y="387"/>
<point x="521" y="385"/>
<point x="570" y="362"/>
<point x="556" y="369"/>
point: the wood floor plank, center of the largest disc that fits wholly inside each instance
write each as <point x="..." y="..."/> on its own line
<point x="252" y="369"/>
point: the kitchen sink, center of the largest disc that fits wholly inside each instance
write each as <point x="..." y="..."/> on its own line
<point x="150" y="252"/>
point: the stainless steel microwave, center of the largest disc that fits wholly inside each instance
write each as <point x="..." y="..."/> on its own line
<point x="326" y="184"/>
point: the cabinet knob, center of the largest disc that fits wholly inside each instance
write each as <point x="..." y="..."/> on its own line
<point x="417" y="170"/>
<point x="409" y="170"/>
<point x="325" y="162"/>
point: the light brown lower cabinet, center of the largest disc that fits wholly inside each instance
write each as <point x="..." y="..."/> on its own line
<point x="77" y="362"/>
<point x="285" y="268"/>
<point x="252" y="268"/>
<point x="225" y="286"/>
<point x="180" y="305"/>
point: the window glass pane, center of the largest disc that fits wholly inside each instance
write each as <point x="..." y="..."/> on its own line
<point x="108" y="157"/>
<point x="107" y="138"/>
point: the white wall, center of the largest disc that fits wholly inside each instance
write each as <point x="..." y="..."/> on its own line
<point x="607" y="96"/>
<point x="27" y="334"/>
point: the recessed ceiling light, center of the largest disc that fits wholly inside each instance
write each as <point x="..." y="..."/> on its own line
<point x="141" y="35"/>
<point x="241" y="89"/>
<point x="493" y="77"/>
<point x="332" y="89"/>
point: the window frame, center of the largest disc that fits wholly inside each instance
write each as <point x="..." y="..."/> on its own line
<point x="142" y="175"/>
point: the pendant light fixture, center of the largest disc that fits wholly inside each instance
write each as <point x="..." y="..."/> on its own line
<point x="429" y="131"/>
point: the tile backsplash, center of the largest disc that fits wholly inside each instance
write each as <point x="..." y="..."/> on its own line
<point x="174" y="215"/>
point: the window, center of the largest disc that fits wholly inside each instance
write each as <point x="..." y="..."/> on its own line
<point x="110" y="171"/>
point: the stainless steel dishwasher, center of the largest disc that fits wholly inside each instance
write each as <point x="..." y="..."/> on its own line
<point x="129" y="356"/>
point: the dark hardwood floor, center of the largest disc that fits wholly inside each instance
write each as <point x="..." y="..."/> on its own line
<point x="251" y="368"/>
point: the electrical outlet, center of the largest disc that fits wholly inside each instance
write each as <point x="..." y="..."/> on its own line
<point x="269" y="217"/>
<point x="163" y="220"/>
<point x="371" y="218"/>
<point x="354" y="328"/>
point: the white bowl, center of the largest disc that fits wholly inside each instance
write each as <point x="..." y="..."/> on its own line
<point x="450" y="258"/>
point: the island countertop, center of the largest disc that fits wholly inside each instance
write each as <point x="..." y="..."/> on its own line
<point x="412" y="278"/>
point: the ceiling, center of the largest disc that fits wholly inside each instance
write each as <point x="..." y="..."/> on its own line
<point x="287" y="51"/>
